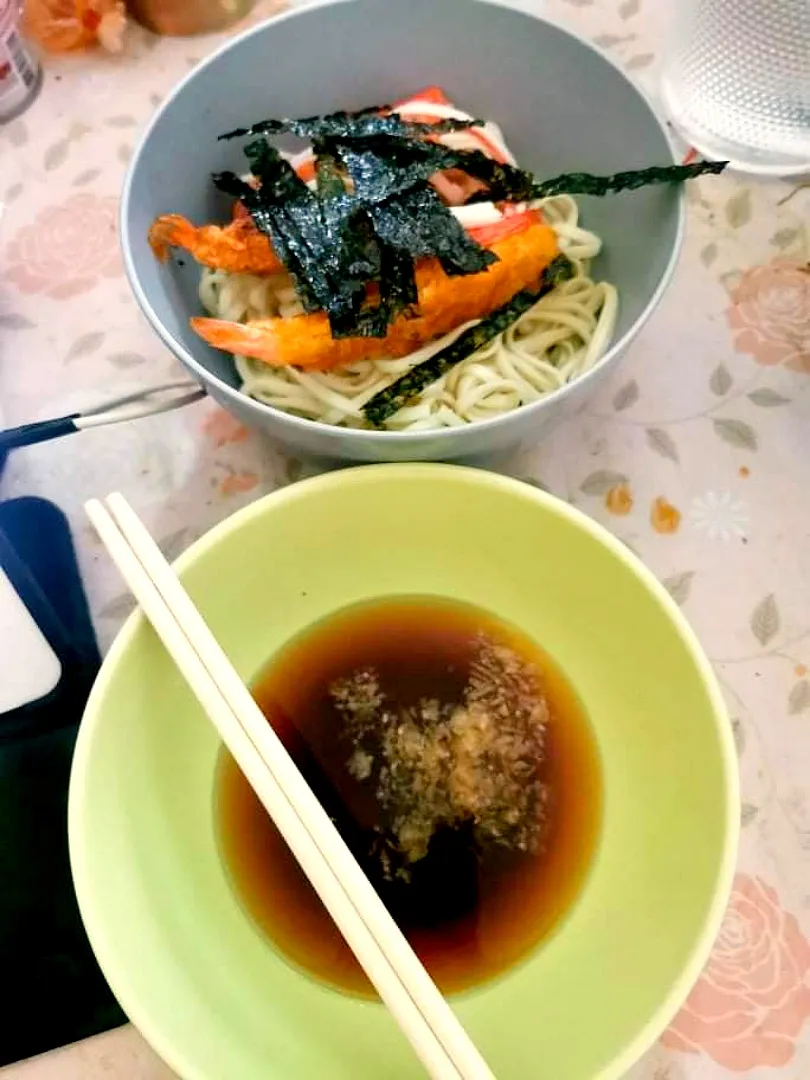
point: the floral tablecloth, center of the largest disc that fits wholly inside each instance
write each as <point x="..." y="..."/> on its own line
<point x="697" y="456"/>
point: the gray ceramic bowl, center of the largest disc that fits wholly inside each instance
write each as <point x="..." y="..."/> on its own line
<point x="562" y="104"/>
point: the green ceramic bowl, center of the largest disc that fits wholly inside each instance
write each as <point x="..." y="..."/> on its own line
<point x="210" y="994"/>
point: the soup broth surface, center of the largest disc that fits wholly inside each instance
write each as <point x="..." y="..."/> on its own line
<point x="459" y="765"/>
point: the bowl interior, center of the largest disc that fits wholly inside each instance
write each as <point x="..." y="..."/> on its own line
<point x="562" y="107"/>
<point x="205" y="988"/>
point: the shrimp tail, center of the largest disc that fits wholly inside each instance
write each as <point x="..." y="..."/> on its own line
<point x="254" y="339"/>
<point x="168" y="231"/>
<point x="238" y="247"/>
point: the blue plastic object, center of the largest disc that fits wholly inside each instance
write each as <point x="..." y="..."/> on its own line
<point x="55" y="991"/>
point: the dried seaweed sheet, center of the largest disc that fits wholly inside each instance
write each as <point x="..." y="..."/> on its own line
<point x="587" y="184"/>
<point x="336" y="244"/>
<point x="398" y="291"/>
<point x="318" y="241"/>
<point x="352" y="125"/>
<point x="381" y="167"/>
<point x="420" y="224"/>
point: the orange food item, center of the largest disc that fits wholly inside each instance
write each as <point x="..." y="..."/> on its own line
<point x="664" y="517"/>
<point x="239" y="247"/>
<point x="306" y="170"/>
<point x="487" y="235"/>
<point x="431" y="95"/>
<point x="619" y="499"/>
<point x="434" y="95"/>
<point x="445" y="303"/>
<point x="455" y="186"/>
<point x="64" y="25"/>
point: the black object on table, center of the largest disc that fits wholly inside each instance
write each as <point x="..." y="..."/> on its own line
<point x="55" y="992"/>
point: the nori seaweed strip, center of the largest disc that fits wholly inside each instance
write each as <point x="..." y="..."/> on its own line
<point x="408" y="386"/>
<point x="293" y="216"/>
<point x="352" y="241"/>
<point x="381" y="167"/>
<point x="586" y="184"/>
<point x="398" y="291"/>
<point x="420" y="224"/>
<point x="313" y="237"/>
<point x="355" y="252"/>
<point x="265" y="214"/>
<point x="504" y="182"/>
<point x="264" y="218"/>
<point x="353" y="261"/>
<point x="327" y="245"/>
<point x="365" y="256"/>
<point x="346" y="125"/>
<point x="410" y="223"/>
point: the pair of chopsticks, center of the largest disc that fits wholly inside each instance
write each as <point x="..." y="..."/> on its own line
<point x="415" y="1002"/>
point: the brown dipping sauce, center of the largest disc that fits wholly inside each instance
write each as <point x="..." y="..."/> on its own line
<point x="484" y="894"/>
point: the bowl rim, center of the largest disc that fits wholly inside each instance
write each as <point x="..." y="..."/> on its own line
<point x="80" y="811"/>
<point x="303" y="424"/>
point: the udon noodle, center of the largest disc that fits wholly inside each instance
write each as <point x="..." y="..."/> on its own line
<point x="558" y="340"/>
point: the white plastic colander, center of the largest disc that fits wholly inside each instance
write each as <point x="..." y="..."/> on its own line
<point x="736" y="81"/>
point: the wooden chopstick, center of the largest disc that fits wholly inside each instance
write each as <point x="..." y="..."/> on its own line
<point x="425" y="1017"/>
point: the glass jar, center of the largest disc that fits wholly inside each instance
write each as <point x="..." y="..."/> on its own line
<point x="736" y="81"/>
<point x="20" y="70"/>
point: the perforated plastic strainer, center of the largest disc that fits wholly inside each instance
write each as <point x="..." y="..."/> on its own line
<point x="736" y="81"/>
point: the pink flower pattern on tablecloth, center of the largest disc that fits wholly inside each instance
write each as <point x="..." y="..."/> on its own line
<point x="753" y="997"/>
<point x="237" y="483"/>
<point x="67" y="249"/>
<point x="223" y="429"/>
<point x="770" y="314"/>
